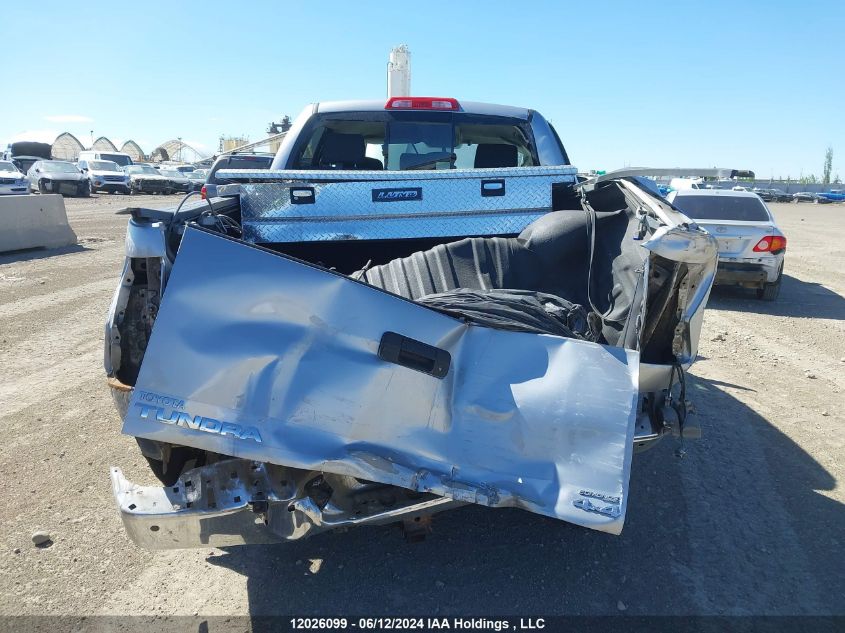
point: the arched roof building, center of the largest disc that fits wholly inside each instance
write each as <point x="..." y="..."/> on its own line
<point x="134" y="150"/>
<point x="66" y="147"/>
<point x="175" y="150"/>
<point x="104" y="144"/>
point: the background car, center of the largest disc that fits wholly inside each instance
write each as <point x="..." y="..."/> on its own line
<point x="12" y="181"/>
<point x="58" y="176"/>
<point x="834" y="195"/>
<point x="751" y="246"/>
<point x="105" y="175"/>
<point x="772" y="195"/>
<point x="146" y="179"/>
<point x="780" y="195"/>
<point x="121" y="158"/>
<point x="233" y="161"/>
<point x="178" y="181"/>
<point x="809" y="196"/>
<point x="197" y="178"/>
<point x="24" y="154"/>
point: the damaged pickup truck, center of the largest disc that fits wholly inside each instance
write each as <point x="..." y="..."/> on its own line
<point x="419" y="306"/>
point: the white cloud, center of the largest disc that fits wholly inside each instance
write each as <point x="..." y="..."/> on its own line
<point x="68" y="118"/>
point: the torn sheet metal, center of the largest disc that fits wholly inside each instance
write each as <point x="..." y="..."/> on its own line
<point x="259" y="356"/>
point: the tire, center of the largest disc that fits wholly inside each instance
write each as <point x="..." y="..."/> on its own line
<point x="770" y="291"/>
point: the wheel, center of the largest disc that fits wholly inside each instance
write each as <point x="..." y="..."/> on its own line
<point x="770" y="291"/>
<point x="86" y="192"/>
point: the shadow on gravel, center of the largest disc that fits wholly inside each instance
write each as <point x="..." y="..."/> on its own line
<point x="39" y="253"/>
<point x="736" y="527"/>
<point x="797" y="299"/>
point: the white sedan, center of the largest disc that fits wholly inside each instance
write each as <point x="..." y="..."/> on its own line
<point x="751" y="246"/>
<point x="12" y="181"/>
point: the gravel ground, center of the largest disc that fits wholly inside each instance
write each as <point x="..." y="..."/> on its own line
<point x="749" y="522"/>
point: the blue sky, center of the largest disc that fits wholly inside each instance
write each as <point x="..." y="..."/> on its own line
<point x="756" y="85"/>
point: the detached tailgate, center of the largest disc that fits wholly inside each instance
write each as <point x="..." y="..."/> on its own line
<point x="260" y="356"/>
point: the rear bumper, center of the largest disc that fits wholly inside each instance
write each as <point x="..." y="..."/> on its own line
<point x="747" y="274"/>
<point x="240" y="502"/>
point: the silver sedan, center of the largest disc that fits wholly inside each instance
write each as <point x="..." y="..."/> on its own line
<point x="751" y="246"/>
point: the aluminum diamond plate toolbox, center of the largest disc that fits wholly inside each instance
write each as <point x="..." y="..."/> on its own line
<point x="301" y="206"/>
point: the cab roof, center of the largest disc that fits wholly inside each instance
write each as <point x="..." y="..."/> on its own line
<point x="377" y="105"/>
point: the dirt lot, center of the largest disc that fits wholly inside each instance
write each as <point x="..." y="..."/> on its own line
<point x="749" y="522"/>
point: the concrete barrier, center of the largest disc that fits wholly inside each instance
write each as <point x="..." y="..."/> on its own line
<point x="34" y="221"/>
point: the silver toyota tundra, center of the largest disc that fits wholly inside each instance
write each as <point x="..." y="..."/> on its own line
<point x="420" y="305"/>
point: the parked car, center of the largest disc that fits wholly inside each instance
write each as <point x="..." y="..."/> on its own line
<point x="58" y="176"/>
<point x="809" y="196"/>
<point x="197" y="178"/>
<point x="834" y="195"/>
<point x="178" y="181"/>
<point x="146" y="179"/>
<point x="121" y="158"/>
<point x="779" y="195"/>
<point x="233" y="161"/>
<point x="419" y="307"/>
<point x="751" y="246"/>
<point x="105" y="175"/>
<point x="12" y="181"/>
<point x="772" y="195"/>
<point x="24" y="154"/>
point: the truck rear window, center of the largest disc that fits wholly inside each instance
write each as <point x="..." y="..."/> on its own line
<point x="402" y="141"/>
<point x="745" y="209"/>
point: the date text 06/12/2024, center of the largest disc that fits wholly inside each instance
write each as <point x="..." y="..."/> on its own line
<point x="421" y="624"/>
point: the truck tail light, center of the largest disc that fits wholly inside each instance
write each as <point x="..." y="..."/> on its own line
<point x="203" y="192"/>
<point x="770" y="244"/>
<point x="422" y="103"/>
